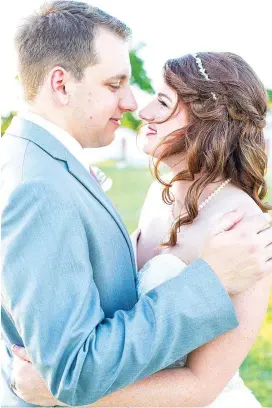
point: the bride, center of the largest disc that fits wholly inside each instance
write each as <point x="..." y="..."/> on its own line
<point x="206" y="126"/>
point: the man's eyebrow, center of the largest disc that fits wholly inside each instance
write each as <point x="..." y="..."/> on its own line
<point x="165" y="96"/>
<point x="119" y="77"/>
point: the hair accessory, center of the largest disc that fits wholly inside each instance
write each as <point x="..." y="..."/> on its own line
<point x="203" y="72"/>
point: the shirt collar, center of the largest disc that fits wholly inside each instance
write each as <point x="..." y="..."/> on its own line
<point x="62" y="135"/>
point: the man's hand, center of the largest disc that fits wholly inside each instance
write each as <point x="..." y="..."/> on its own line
<point x="29" y="385"/>
<point x="239" y="250"/>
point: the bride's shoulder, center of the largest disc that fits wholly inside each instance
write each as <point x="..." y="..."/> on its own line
<point x="234" y="197"/>
<point x="192" y="237"/>
<point x="156" y="187"/>
<point x="152" y="199"/>
<point x="229" y="199"/>
<point x="154" y="193"/>
<point x="154" y="190"/>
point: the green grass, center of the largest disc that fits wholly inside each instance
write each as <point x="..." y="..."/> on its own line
<point x="128" y="192"/>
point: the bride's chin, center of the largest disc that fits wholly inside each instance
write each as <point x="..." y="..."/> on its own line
<point x="145" y="149"/>
<point x="149" y="150"/>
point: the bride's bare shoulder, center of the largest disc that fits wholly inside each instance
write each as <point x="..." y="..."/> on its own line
<point x="156" y="187"/>
<point x="234" y="197"/>
<point x="191" y="238"/>
<point x="229" y="199"/>
<point x="151" y="195"/>
<point x="154" y="191"/>
<point x="153" y="200"/>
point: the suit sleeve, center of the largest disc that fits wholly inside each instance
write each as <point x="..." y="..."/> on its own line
<point x="55" y="304"/>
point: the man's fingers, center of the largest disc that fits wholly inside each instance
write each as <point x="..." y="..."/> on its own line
<point x="255" y="223"/>
<point x="228" y="221"/>
<point x="265" y="237"/>
<point x="267" y="269"/>
<point x="20" y="352"/>
<point x="268" y="254"/>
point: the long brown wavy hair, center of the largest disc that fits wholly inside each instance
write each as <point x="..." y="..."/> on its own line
<point x="224" y="138"/>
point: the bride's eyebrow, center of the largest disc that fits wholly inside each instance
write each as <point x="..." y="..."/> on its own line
<point x="160" y="94"/>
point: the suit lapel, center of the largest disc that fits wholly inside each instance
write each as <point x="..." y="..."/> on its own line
<point x="88" y="181"/>
<point x="30" y="131"/>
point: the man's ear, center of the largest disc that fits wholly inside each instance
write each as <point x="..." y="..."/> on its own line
<point x="58" y="77"/>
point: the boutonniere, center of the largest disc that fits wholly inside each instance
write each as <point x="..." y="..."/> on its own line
<point x="104" y="181"/>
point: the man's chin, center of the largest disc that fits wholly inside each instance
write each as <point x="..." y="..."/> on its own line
<point x="106" y="140"/>
<point x="101" y="141"/>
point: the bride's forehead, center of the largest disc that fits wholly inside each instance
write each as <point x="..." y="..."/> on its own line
<point x="162" y="87"/>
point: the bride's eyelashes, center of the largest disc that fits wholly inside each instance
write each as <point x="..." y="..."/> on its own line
<point x="163" y="103"/>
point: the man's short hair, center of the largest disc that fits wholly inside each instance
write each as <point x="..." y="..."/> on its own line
<point x="61" y="33"/>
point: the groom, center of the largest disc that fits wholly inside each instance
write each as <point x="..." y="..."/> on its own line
<point x="68" y="279"/>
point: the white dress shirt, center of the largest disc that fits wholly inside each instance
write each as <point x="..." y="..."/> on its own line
<point x="64" y="137"/>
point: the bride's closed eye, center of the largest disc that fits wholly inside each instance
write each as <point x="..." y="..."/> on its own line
<point x="163" y="103"/>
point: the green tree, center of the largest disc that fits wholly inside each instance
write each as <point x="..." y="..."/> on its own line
<point x="269" y="92"/>
<point x="6" y="121"/>
<point x="138" y="73"/>
<point x="139" y="78"/>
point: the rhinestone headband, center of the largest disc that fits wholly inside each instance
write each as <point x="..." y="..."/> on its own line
<point x="203" y="72"/>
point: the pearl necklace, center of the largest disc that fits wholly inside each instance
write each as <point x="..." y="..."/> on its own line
<point x="205" y="202"/>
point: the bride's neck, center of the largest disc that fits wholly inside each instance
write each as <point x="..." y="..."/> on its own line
<point x="175" y="164"/>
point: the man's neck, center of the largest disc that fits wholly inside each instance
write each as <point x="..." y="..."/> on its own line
<point x="59" y="133"/>
<point x="56" y="120"/>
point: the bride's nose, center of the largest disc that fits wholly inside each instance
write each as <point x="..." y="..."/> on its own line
<point x="146" y="114"/>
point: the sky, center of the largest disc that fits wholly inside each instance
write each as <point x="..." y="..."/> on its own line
<point x="169" y="29"/>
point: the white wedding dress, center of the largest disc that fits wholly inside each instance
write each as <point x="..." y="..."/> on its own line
<point x="156" y="271"/>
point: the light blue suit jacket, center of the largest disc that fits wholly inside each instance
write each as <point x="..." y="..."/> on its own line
<point x="68" y="280"/>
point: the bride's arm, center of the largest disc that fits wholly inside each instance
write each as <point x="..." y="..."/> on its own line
<point x="215" y="363"/>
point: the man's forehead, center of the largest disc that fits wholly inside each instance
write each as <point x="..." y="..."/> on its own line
<point x="113" y="51"/>
<point x="116" y="68"/>
<point x="108" y="72"/>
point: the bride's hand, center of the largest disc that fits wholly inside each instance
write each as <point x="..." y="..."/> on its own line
<point x="28" y="383"/>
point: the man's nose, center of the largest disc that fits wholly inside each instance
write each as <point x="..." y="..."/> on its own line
<point x="128" y="102"/>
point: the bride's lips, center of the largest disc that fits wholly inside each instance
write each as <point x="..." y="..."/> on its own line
<point x="152" y="131"/>
<point x="116" y="121"/>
